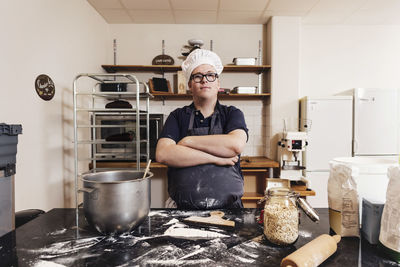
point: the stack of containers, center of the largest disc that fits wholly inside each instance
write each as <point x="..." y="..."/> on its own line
<point x="8" y="150"/>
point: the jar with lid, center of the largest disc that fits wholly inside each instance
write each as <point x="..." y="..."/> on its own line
<point x="281" y="217"/>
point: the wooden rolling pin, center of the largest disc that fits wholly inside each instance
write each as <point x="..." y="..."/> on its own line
<point x="313" y="253"/>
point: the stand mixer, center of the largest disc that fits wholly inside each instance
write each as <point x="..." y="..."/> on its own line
<point x="290" y="149"/>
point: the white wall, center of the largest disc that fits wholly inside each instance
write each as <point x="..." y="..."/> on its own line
<point x="61" y="39"/>
<point x="338" y="58"/>
<point x="285" y="65"/>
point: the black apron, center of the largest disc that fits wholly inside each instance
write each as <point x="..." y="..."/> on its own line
<point x="206" y="186"/>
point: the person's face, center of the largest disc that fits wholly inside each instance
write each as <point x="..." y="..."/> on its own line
<point x="204" y="88"/>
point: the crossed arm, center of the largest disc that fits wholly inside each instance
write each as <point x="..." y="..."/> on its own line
<point x="220" y="149"/>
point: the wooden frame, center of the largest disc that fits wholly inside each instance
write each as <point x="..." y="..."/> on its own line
<point x="165" y="86"/>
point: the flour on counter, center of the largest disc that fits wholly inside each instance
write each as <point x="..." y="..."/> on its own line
<point x="179" y="262"/>
<point x="252" y="244"/>
<point x="47" y="264"/>
<point x="245" y="252"/>
<point x="197" y="251"/>
<point x="305" y="233"/>
<point x="184" y="213"/>
<point x="243" y="259"/>
<point x="159" y="213"/>
<point x="66" y="247"/>
<point x="180" y="231"/>
<point x="171" y="222"/>
<point x="58" y="232"/>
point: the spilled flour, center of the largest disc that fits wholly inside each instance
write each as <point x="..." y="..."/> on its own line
<point x="241" y="259"/>
<point x="173" y="221"/>
<point x="66" y="247"/>
<point x="305" y="233"/>
<point x="160" y="213"/>
<point x="47" y="264"/>
<point x="179" y="230"/>
<point x="58" y="232"/>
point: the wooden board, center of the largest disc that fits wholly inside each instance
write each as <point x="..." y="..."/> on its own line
<point x="214" y="219"/>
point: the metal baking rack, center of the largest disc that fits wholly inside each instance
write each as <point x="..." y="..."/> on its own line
<point x="89" y="99"/>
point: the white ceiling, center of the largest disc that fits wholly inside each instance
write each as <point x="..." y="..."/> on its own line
<point x="347" y="12"/>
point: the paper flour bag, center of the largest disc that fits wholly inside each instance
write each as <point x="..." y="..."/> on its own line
<point x="389" y="236"/>
<point x="343" y="200"/>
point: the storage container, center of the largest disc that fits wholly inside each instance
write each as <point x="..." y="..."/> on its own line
<point x="8" y="147"/>
<point x="8" y="151"/>
<point x="281" y="217"/>
<point x="244" y="60"/>
<point x="371" y="220"/>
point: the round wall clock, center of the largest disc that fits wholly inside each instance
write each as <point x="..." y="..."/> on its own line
<point x="45" y="87"/>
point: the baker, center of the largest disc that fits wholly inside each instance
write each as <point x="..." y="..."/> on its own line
<point x="201" y="143"/>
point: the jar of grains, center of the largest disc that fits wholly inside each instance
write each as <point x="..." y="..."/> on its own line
<point x="281" y="217"/>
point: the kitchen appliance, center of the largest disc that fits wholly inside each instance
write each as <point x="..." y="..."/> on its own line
<point x="116" y="201"/>
<point x="120" y="131"/>
<point x="8" y="151"/>
<point x="376" y="122"/>
<point x="290" y="154"/>
<point x="329" y="137"/>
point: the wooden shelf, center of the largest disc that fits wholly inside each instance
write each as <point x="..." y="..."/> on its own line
<point x="252" y="196"/>
<point x="257" y="162"/>
<point x="247" y="164"/>
<point x="163" y="96"/>
<point x="175" y="68"/>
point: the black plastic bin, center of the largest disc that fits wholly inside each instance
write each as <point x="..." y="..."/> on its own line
<point x="8" y="147"/>
<point x="8" y="152"/>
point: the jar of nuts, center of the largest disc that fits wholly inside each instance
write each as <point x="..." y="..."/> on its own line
<point x="281" y="217"/>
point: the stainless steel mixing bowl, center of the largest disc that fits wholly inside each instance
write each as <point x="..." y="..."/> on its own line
<point x="116" y="201"/>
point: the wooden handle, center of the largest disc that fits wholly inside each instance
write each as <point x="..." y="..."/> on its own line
<point x="147" y="169"/>
<point x="313" y="253"/>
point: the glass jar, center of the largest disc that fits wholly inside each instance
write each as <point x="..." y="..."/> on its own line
<point x="281" y="217"/>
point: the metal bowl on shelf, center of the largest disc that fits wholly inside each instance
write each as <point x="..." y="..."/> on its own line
<point x="115" y="202"/>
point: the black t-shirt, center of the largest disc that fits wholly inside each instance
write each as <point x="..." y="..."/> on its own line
<point x="177" y="123"/>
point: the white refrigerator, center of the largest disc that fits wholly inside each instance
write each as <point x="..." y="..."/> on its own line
<point x="376" y="122"/>
<point x="328" y="123"/>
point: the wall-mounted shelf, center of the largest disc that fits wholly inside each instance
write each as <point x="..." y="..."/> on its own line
<point x="174" y="68"/>
<point x="164" y="96"/>
<point x="258" y="69"/>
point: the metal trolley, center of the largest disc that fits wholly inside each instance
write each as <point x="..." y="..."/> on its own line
<point x="88" y="101"/>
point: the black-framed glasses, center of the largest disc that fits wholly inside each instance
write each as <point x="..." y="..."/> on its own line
<point x="198" y="77"/>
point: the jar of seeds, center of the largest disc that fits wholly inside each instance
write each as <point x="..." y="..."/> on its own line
<point x="281" y="217"/>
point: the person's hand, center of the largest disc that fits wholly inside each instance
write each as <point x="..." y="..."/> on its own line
<point x="227" y="161"/>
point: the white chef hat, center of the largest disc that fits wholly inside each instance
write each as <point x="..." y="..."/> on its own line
<point x="199" y="57"/>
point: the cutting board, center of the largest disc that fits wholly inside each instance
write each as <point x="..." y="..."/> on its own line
<point x="215" y="218"/>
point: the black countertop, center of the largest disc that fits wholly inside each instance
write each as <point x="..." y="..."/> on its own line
<point x="52" y="239"/>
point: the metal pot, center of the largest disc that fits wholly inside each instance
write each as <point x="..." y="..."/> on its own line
<point x="116" y="201"/>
